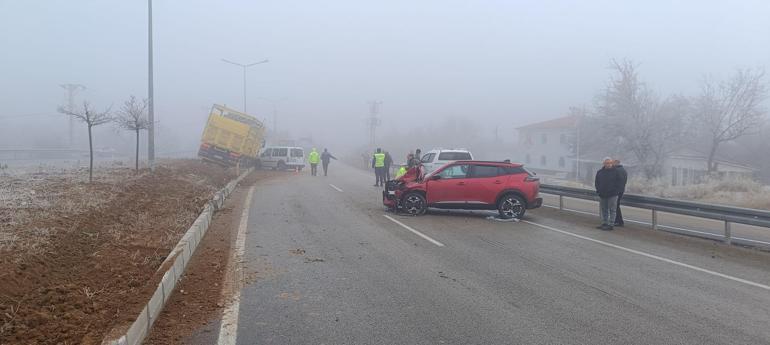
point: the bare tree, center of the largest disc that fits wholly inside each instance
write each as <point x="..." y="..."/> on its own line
<point x="730" y="109"/>
<point x="635" y="120"/>
<point x="91" y="118"/>
<point x="133" y="117"/>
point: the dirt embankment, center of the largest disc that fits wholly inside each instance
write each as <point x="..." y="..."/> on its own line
<point x="78" y="258"/>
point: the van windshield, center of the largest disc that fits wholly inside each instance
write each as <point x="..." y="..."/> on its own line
<point x="454" y="156"/>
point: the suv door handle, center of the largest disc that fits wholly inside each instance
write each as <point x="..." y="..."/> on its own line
<point x="460" y="183"/>
<point x="498" y="182"/>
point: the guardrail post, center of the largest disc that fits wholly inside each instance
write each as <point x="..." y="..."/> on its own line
<point x="654" y="219"/>
<point x="728" y="232"/>
<point x="561" y="202"/>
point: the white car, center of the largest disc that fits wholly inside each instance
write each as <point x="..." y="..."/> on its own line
<point x="282" y="157"/>
<point x="436" y="158"/>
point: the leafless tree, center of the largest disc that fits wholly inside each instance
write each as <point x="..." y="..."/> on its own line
<point x="636" y="121"/>
<point x="91" y="118"/>
<point x="133" y="117"/>
<point x="730" y="109"/>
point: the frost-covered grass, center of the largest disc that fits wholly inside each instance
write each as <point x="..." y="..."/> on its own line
<point x="740" y="192"/>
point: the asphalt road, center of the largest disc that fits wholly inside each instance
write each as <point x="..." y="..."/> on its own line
<point x="328" y="267"/>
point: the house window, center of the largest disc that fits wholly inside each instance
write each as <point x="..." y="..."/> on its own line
<point x="543" y="161"/>
<point x="527" y="159"/>
<point x="674" y="176"/>
<point x="563" y="139"/>
<point x="544" y="138"/>
<point x="562" y="163"/>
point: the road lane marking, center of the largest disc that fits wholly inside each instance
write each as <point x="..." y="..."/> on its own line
<point x="414" y="231"/>
<point x="652" y="256"/>
<point x="335" y="187"/>
<point x="673" y="229"/>
<point x="228" y="329"/>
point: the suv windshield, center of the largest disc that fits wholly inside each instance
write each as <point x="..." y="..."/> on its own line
<point x="454" y="156"/>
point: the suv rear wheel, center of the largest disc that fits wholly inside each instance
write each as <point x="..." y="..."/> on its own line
<point x="511" y="206"/>
<point x="414" y="204"/>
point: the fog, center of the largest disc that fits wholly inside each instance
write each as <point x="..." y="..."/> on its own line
<point x="495" y="64"/>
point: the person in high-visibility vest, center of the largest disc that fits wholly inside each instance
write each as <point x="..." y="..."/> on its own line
<point x="313" y="158"/>
<point x="401" y="172"/>
<point x="378" y="163"/>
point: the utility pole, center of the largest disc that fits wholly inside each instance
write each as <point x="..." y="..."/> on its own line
<point x="244" y="66"/>
<point x="373" y="122"/>
<point x="71" y="90"/>
<point x="150" y="93"/>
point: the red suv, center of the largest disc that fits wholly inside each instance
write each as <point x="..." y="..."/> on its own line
<point x="474" y="185"/>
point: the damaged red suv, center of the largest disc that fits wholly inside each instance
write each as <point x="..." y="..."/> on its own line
<point x="472" y="185"/>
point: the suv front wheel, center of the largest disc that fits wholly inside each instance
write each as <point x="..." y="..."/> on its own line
<point x="414" y="204"/>
<point x="511" y="206"/>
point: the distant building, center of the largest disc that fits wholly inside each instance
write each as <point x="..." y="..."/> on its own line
<point x="548" y="148"/>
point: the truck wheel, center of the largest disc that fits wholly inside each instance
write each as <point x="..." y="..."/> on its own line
<point x="511" y="206"/>
<point x="414" y="204"/>
<point x="281" y="165"/>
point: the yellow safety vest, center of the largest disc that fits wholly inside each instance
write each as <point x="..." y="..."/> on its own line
<point x="401" y="172"/>
<point x="313" y="157"/>
<point x="379" y="160"/>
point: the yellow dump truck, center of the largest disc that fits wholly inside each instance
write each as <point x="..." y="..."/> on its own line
<point x="231" y="137"/>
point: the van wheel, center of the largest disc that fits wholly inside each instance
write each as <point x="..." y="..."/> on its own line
<point x="511" y="206"/>
<point x="281" y="165"/>
<point x="414" y="204"/>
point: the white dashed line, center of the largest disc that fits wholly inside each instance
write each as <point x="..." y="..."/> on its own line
<point x="414" y="231"/>
<point x="335" y="187"/>
<point x="652" y="256"/>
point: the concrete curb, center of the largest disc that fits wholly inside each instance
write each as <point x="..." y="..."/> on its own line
<point x="180" y="256"/>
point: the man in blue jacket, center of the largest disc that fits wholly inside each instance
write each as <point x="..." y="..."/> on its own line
<point x="608" y="183"/>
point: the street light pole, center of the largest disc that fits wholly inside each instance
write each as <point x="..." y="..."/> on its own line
<point x="244" y="66"/>
<point x="150" y="94"/>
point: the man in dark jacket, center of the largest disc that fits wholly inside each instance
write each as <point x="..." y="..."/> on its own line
<point x="607" y="184"/>
<point x="388" y="164"/>
<point x="623" y="180"/>
<point x="326" y="157"/>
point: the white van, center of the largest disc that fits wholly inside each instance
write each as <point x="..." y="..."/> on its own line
<point x="436" y="158"/>
<point x="282" y="157"/>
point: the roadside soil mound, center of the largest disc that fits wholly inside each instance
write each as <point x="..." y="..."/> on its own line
<point x="78" y="258"/>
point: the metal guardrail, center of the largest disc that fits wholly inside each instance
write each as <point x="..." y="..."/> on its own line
<point x="727" y="214"/>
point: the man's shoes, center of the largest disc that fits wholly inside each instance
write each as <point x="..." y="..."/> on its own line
<point x="607" y="227"/>
<point x="620" y="224"/>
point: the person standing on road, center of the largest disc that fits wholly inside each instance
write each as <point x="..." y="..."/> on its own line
<point x="388" y="164"/>
<point x="313" y="159"/>
<point x="623" y="174"/>
<point x="607" y="185"/>
<point x="378" y="163"/>
<point x="326" y="157"/>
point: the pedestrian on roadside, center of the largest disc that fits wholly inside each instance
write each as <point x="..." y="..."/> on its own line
<point x="378" y="163"/>
<point x="409" y="160"/>
<point x="418" y="154"/>
<point x="622" y="185"/>
<point x="326" y="157"/>
<point x="388" y="164"/>
<point x="313" y="159"/>
<point x="607" y="185"/>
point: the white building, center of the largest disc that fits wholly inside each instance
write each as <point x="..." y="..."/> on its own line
<point x="548" y="148"/>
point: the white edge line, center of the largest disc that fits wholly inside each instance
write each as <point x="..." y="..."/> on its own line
<point x="414" y="231"/>
<point x="228" y="329"/>
<point x="651" y="256"/>
<point x="710" y="235"/>
<point x="335" y="187"/>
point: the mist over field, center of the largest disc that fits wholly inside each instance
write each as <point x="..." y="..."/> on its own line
<point x="492" y="66"/>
